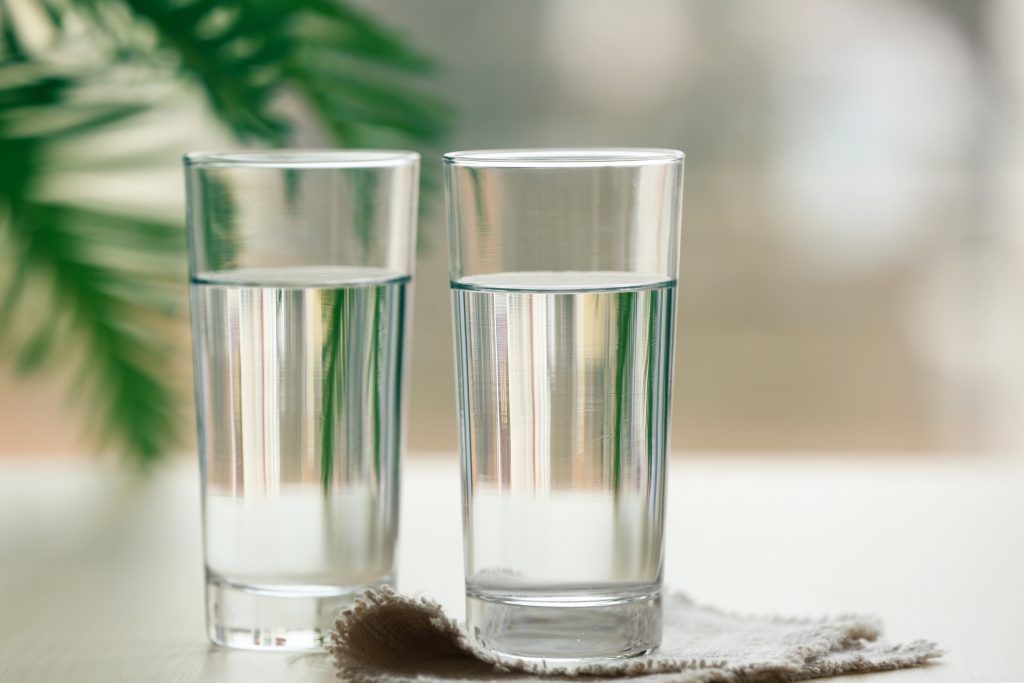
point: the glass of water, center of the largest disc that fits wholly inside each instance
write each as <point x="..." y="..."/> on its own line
<point x="300" y="265"/>
<point x="563" y="276"/>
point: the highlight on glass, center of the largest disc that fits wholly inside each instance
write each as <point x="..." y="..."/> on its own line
<point x="563" y="277"/>
<point x="300" y="265"/>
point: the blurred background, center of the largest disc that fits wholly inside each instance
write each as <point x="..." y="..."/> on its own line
<point x="854" y="222"/>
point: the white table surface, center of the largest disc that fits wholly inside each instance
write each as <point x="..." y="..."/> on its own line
<point x="101" y="576"/>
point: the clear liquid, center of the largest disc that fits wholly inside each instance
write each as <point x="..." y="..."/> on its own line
<point x="564" y="386"/>
<point x="299" y="403"/>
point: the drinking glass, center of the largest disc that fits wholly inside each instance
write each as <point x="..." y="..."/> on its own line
<point x="300" y="265"/>
<point x="563" y="277"/>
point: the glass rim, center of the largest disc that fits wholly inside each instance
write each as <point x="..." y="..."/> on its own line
<point x="304" y="158"/>
<point x="565" y="157"/>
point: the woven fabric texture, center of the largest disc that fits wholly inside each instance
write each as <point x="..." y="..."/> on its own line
<point x="391" y="638"/>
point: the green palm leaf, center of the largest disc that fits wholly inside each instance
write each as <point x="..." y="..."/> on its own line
<point x="347" y="67"/>
<point x="112" y="312"/>
<point x="101" y="286"/>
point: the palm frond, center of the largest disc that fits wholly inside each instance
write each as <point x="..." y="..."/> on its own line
<point x="346" y="66"/>
<point x="114" y="313"/>
<point x="101" y="301"/>
<point x="112" y="279"/>
<point x="235" y="49"/>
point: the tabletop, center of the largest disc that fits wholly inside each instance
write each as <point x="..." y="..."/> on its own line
<point x="101" y="572"/>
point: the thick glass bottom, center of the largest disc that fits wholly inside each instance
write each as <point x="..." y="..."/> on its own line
<point x="577" y="628"/>
<point x="286" y="618"/>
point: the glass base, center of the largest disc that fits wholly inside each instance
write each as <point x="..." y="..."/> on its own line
<point x="284" y="618"/>
<point x="601" y="627"/>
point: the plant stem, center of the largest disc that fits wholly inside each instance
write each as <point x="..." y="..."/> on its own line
<point x="375" y="378"/>
<point x="330" y="388"/>
<point x="624" y="343"/>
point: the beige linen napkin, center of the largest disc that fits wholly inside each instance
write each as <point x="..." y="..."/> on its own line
<point x="391" y="638"/>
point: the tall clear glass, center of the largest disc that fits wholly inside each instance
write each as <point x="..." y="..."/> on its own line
<point x="300" y="265"/>
<point x="563" y="276"/>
